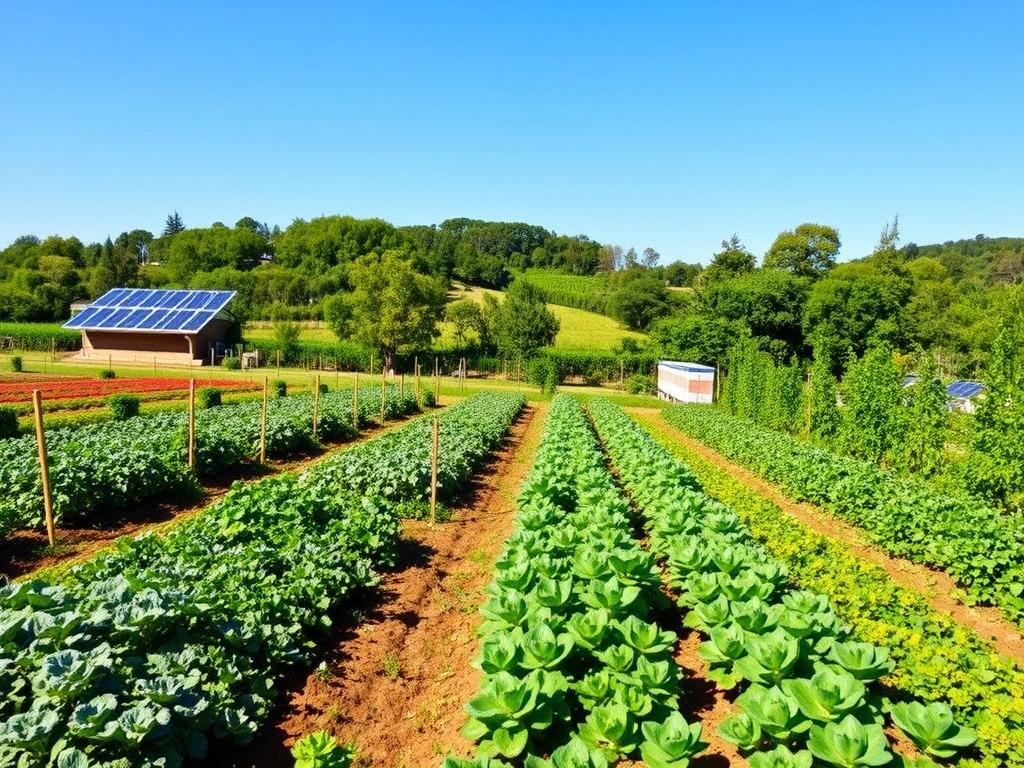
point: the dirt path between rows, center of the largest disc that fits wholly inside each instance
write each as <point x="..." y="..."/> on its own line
<point x="935" y="586"/>
<point x="26" y="553"/>
<point x="395" y="680"/>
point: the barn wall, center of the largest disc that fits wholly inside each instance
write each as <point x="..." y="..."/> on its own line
<point x="140" y="348"/>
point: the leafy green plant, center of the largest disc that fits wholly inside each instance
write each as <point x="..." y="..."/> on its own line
<point x="280" y="387"/>
<point x="321" y="750"/>
<point x="827" y="696"/>
<point x="781" y="757"/>
<point x="107" y="373"/>
<point x="849" y="744"/>
<point x="932" y="728"/>
<point x="611" y="729"/>
<point x="16" y="364"/>
<point x="123" y="406"/>
<point x="671" y="743"/>
<point x="231" y="363"/>
<point x="210" y="397"/>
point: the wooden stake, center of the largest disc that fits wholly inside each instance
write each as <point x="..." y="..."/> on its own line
<point x="435" y="442"/>
<point x="355" y="403"/>
<point x="371" y="364"/>
<point x="417" y="381"/>
<point x="401" y="387"/>
<point x="316" y="405"/>
<point x="44" y="464"/>
<point x="53" y="350"/>
<point x="622" y="374"/>
<point x="263" y="420"/>
<point x="383" y="392"/>
<point x="279" y="361"/>
<point x="191" y="423"/>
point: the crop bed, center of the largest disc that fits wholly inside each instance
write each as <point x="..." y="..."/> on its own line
<point x="978" y="546"/>
<point x="108" y="466"/>
<point x="573" y="666"/>
<point x="147" y="652"/>
<point x="809" y="691"/>
<point x="65" y="388"/>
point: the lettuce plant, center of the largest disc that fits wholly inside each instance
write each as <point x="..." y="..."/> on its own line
<point x="611" y="729"/>
<point x="770" y="658"/>
<point x="864" y="661"/>
<point x="849" y="744"/>
<point x="829" y="695"/>
<point x="774" y="712"/>
<point x="505" y="711"/>
<point x="932" y="728"/>
<point x="320" y="750"/>
<point x="781" y="757"/>
<point x="742" y="731"/>
<point x="671" y="743"/>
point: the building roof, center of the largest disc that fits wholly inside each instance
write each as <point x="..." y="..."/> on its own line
<point x="688" y="367"/>
<point x="148" y="310"/>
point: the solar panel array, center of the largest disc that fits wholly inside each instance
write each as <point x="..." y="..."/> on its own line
<point x="964" y="388"/>
<point x="152" y="310"/>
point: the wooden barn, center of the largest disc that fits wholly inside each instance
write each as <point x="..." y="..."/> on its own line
<point x="156" y="327"/>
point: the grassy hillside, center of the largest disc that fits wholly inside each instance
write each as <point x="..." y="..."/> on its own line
<point x="589" y="292"/>
<point x="579" y="329"/>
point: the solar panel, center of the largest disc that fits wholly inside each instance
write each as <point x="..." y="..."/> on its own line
<point x="964" y="388"/>
<point x="153" y="310"/>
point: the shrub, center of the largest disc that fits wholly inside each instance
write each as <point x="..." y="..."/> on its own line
<point x="231" y="363"/>
<point x="428" y="398"/>
<point x="210" y="397"/>
<point x="8" y="422"/>
<point x="642" y="384"/>
<point x="16" y="364"/>
<point x="542" y="372"/>
<point x="280" y="386"/>
<point x="123" y="406"/>
<point x="107" y="374"/>
<point x="324" y="388"/>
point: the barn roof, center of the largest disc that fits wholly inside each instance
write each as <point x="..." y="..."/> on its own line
<point x="148" y="310"/>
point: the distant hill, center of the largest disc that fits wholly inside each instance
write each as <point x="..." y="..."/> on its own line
<point x="987" y="260"/>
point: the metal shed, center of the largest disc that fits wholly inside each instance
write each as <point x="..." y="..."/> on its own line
<point x="155" y="326"/>
<point x="686" y="382"/>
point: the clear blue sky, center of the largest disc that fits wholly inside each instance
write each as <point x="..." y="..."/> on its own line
<point x="671" y="125"/>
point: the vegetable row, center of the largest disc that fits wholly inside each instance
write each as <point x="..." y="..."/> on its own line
<point x="936" y="657"/>
<point x="576" y="672"/>
<point x="809" y="691"/>
<point x="146" y="653"/>
<point x="108" y="466"/>
<point x="977" y="545"/>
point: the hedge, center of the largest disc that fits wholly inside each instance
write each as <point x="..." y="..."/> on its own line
<point x="41" y="337"/>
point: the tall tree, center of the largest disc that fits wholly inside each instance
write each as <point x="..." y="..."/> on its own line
<point x="393" y="307"/>
<point x="734" y="259"/>
<point x="173" y="225"/>
<point x="650" y="258"/>
<point x="809" y="250"/>
<point x="926" y="421"/>
<point x="522" y="324"/>
<point x="873" y="421"/>
<point x="464" y="315"/>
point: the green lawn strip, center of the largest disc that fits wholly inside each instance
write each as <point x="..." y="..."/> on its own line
<point x="937" y="658"/>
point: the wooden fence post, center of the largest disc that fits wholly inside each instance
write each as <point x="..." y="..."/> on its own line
<point x="401" y="387"/>
<point x="53" y="350"/>
<point x="316" y="405"/>
<point x="263" y="420"/>
<point x="622" y="374"/>
<point x="371" y="364"/>
<point x="44" y="464"/>
<point x="191" y="423"/>
<point x="279" y="362"/>
<point x="383" y="389"/>
<point x="435" y="442"/>
<point x="417" y="366"/>
<point x="355" y="403"/>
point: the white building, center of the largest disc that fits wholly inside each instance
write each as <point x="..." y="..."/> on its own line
<point x="686" y="382"/>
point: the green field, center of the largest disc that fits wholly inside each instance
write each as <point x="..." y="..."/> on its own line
<point x="578" y="329"/>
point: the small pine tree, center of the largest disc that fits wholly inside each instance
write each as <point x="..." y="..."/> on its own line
<point x="926" y="421"/>
<point x="173" y="225"/>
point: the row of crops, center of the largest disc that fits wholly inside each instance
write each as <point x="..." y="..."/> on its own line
<point x="574" y="666"/>
<point x="143" y="655"/>
<point x="105" y="467"/>
<point x="577" y="640"/>
<point x="977" y="545"/>
<point x="809" y="690"/>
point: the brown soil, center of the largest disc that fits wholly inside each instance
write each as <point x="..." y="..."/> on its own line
<point x="397" y="678"/>
<point x="24" y="553"/>
<point x="935" y="586"/>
